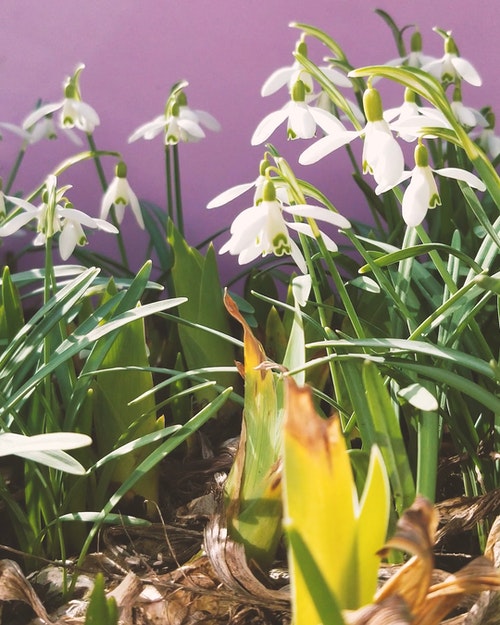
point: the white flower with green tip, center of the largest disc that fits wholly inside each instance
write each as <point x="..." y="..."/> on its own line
<point x="303" y="119"/>
<point x="120" y="194"/>
<point x="258" y="184"/>
<point x="451" y="66"/>
<point x="179" y="123"/>
<point x="74" y="113"/>
<point x="409" y="118"/>
<point x="44" y="128"/>
<point x="291" y="74"/>
<point x="486" y="137"/>
<point x="422" y="192"/>
<point x="415" y="58"/>
<point x="261" y="229"/>
<point x="382" y="154"/>
<point x="52" y="218"/>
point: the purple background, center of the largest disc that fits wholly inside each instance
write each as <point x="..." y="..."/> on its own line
<point x="134" y="50"/>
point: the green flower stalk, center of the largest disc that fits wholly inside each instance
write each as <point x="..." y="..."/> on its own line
<point x="179" y="124"/>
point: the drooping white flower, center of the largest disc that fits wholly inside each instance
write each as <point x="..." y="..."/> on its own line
<point x="382" y="154"/>
<point x="422" y="192"/>
<point x="409" y="118"/>
<point x="415" y="58"/>
<point x="73" y="112"/>
<point x="486" y="137"/>
<point x="288" y="76"/>
<point x="261" y="229"/>
<point x="258" y="184"/>
<point x="466" y="115"/>
<point x="452" y="66"/>
<point x="489" y="142"/>
<point x="202" y="118"/>
<point x="179" y="123"/>
<point x="302" y="119"/>
<point x="52" y="218"/>
<point x="120" y="194"/>
<point x="44" y="128"/>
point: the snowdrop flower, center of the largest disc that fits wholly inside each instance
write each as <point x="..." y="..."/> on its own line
<point x="409" y="118"/>
<point x="415" y="58"/>
<point x="120" y="194"/>
<point x="52" y="217"/>
<point x="179" y="123"/>
<point x="451" y="66"/>
<point x="290" y="75"/>
<point x="200" y="117"/>
<point x="382" y="155"/>
<point x="261" y="229"/>
<point x="44" y="128"/>
<point x="422" y="192"/>
<point x="258" y="184"/>
<point x="487" y="139"/>
<point x="73" y="112"/>
<point x="466" y="115"/>
<point x="302" y="119"/>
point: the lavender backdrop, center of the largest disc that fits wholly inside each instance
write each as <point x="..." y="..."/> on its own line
<point x="134" y="50"/>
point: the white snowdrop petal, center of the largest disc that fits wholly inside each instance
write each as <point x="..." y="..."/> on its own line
<point x="230" y="194"/>
<point x="462" y="174"/>
<point x="268" y="125"/>
<point x="467" y="71"/>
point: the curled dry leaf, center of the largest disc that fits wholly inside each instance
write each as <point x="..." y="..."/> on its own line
<point x="415" y="535"/>
<point x="424" y="602"/>
<point x="229" y="562"/>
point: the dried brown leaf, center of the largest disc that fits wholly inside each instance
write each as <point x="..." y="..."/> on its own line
<point x="391" y="610"/>
<point x="415" y="532"/>
<point x="15" y="587"/>
<point x="478" y="576"/>
<point x="230" y="565"/>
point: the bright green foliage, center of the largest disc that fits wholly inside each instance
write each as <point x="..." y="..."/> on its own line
<point x="116" y="420"/>
<point x="196" y="277"/>
<point x="11" y="311"/>
<point x="100" y="610"/>
<point x="388" y="437"/>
